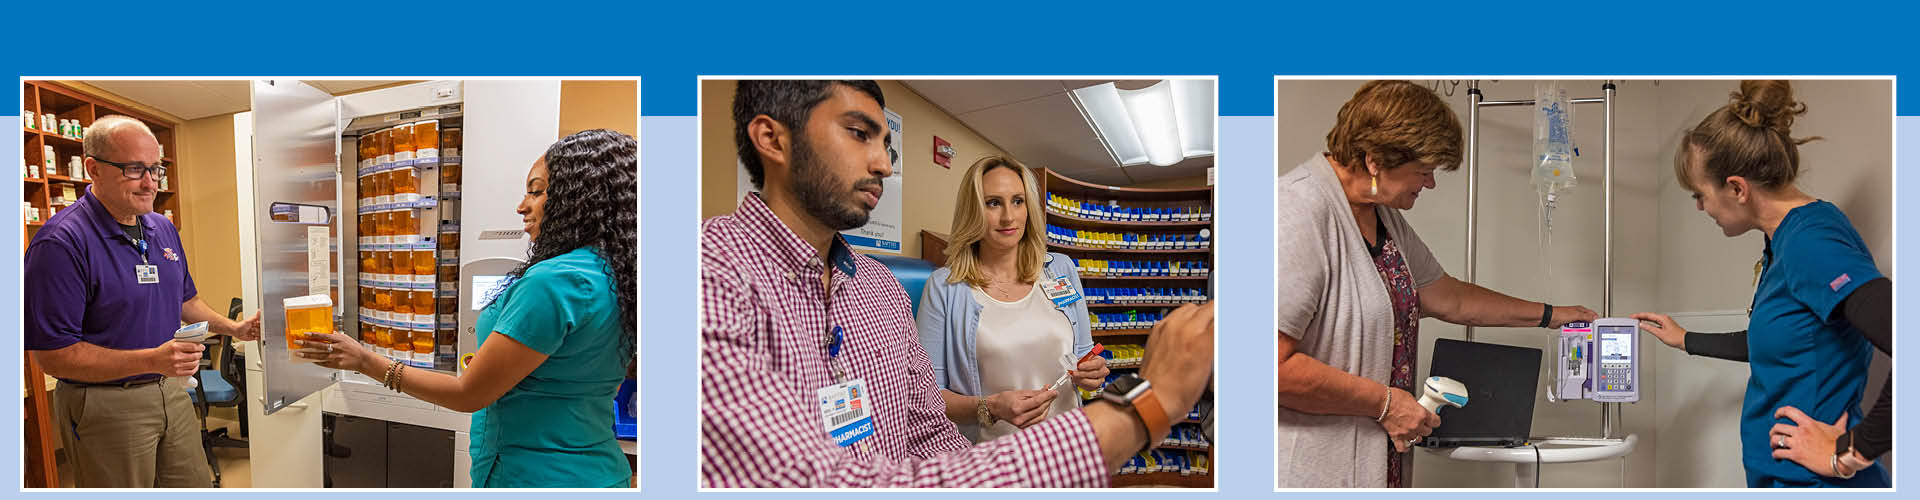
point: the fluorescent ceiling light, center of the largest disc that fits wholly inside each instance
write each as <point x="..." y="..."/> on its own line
<point x="1162" y="124"/>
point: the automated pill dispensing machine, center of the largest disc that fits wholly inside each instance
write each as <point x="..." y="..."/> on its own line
<point x="362" y="197"/>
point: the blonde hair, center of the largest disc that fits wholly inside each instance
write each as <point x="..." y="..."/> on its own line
<point x="970" y="225"/>
<point x="1750" y="137"/>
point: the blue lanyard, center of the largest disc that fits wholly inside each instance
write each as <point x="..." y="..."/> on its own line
<point x="142" y="245"/>
<point x="833" y="347"/>
<point x="833" y="353"/>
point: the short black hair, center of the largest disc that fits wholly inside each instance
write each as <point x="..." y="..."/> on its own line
<point x="786" y="101"/>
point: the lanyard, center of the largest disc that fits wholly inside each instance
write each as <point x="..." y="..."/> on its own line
<point x="836" y="336"/>
<point x="1759" y="266"/>
<point x="834" y="342"/>
<point x="141" y="244"/>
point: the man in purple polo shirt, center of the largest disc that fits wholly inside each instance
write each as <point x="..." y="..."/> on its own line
<point x="106" y="286"/>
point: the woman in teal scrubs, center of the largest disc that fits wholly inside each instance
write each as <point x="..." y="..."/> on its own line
<point x="1819" y="309"/>
<point x="555" y="341"/>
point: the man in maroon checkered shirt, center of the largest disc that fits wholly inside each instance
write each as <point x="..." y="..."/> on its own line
<point x="794" y="326"/>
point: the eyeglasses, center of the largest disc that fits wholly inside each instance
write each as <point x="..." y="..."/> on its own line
<point x="134" y="169"/>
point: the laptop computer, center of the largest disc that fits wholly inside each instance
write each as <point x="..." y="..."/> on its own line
<point x="1501" y="384"/>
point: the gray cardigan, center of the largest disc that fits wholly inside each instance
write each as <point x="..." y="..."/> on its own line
<point x="1332" y="301"/>
<point x="949" y="317"/>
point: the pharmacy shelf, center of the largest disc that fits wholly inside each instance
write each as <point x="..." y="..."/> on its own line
<point x="1092" y="305"/>
<point x="1163" y="479"/>
<point x="53" y="135"/>
<point x="1085" y="277"/>
<point x="1084" y="222"/>
<point x="1077" y="189"/>
<point x="1078" y="248"/>
<point x="69" y="103"/>
<point x="1053" y="183"/>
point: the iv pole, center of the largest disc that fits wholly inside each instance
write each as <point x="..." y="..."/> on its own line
<point x="1475" y="101"/>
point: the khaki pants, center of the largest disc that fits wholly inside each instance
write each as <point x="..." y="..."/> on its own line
<point x="139" y="437"/>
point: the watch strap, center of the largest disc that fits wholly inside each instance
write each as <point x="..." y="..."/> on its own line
<point x="1153" y="415"/>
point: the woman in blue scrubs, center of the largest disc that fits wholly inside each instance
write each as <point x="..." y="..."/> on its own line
<point x="555" y="341"/>
<point x="1820" y="306"/>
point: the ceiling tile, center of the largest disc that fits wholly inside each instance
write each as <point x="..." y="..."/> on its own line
<point x="337" y="87"/>
<point x="1047" y="131"/>
<point x="186" y="99"/>
<point x="959" y="97"/>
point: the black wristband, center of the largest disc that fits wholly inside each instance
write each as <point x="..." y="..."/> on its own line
<point x="1546" y="315"/>
<point x="1844" y="444"/>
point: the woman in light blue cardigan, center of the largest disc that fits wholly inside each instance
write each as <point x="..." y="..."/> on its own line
<point x="999" y="319"/>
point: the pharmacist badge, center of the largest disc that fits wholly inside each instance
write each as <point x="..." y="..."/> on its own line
<point x="1061" y="292"/>
<point x="168" y="253"/>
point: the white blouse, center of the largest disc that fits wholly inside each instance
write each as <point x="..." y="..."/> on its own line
<point x="1019" y="345"/>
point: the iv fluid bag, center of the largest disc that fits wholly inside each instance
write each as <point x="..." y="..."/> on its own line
<point x="1553" y="153"/>
<point x="1552" y="137"/>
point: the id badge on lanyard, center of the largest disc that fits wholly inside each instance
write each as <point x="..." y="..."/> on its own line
<point x="846" y="412"/>
<point x="145" y="273"/>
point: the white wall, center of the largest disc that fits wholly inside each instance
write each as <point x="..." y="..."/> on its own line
<point x="1656" y="231"/>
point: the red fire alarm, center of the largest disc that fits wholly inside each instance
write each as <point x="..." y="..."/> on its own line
<point x="942" y="152"/>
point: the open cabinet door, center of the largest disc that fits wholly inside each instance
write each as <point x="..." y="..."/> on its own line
<point x="296" y="219"/>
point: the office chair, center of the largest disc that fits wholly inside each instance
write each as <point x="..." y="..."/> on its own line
<point x="912" y="274"/>
<point x="220" y="384"/>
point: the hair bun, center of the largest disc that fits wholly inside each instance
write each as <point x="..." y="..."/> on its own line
<point x="1766" y="104"/>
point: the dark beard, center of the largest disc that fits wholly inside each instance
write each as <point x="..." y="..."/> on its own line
<point x="814" y="187"/>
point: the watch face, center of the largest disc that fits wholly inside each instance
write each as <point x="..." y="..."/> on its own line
<point x="1123" y="385"/>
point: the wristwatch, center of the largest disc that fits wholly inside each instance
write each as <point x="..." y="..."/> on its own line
<point x="980" y="410"/>
<point x="1137" y="393"/>
<point x="1842" y="446"/>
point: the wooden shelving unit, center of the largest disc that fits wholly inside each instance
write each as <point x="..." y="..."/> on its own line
<point x="41" y="192"/>
<point x="66" y="103"/>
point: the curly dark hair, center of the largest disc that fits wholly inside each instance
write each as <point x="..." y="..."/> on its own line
<point x="592" y="183"/>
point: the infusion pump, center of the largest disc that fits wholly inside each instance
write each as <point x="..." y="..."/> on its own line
<point x="1598" y="361"/>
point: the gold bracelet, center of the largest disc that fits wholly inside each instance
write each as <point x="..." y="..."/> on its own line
<point x="396" y="376"/>
<point x="387" y="381"/>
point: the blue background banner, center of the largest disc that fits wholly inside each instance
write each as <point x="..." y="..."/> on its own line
<point x="671" y="43"/>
